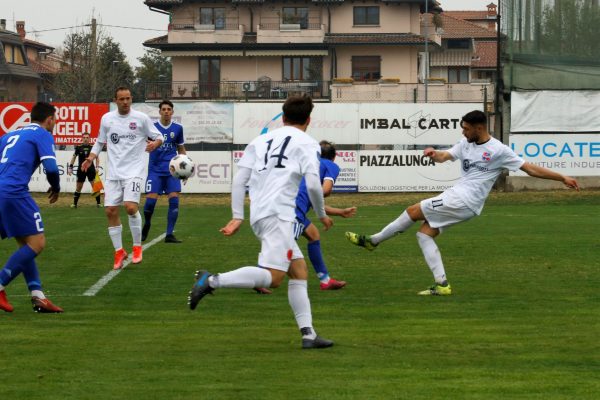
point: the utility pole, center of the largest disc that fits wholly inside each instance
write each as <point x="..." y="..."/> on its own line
<point x="93" y="60"/>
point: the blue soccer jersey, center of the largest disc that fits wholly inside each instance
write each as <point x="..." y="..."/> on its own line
<point x="21" y="152"/>
<point x="159" y="158"/>
<point x="327" y="170"/>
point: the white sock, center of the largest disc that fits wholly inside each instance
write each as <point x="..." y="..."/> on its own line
<point x="245" y="277"/>
<point x="400" y="224"/>
<point x="432" y="256"/>
<point x="38" y="294"/>
<point x="1" y="287"/>
<point x="298" y="298"/>
<point x="135" y="226"/>
<point x="115" y="235"/>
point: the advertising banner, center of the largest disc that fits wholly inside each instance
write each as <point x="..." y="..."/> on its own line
<point x="212" y="173"/>
<point x="411" y="124"/>
<point x="72" y="119"/>
<point x="404" y="171"/>
<point x="569" y="154"/>
<point x="207" y="122"/>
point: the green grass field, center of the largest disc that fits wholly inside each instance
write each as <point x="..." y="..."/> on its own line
<point x="523" y="321"/>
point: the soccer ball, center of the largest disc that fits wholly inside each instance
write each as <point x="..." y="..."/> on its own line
<point x="181" y="166"/>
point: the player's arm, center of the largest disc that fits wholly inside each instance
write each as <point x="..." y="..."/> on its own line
<point x="315" y="194"/>
<point x="70" y="167"/>
<point x="93" y="155"/>
<point x="545" y="173"/>
<point x="155" y="138"/>
<point x="327" y="187"/>
<point x="438" y="156"/>
<point x="340" y="212"/>
<point x="53" y="177"/>
<point x="238" y="194"/>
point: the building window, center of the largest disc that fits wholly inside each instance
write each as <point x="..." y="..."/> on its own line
<point x="302" y="68"/>
<point x="366" y="15"/>
<point x="366" y="68"/>
<point x="295" y="15"/>
<point x="459" y="44"/>
<point x="489" y="75"/>
<point x="458" y="74"/>
<point x="13" y="54"/>
<point x="213" y="16"/>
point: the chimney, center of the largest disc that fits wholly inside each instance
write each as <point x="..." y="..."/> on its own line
<point x="21" y="29"/>
<point x="2" y="24"/>
<point x="492" y="14"/>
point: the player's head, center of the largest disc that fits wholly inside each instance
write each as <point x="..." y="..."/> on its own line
<point x="296" y="111"/>
<point x="474" y="125"/>
<point x="43" y="114"/>
<point x="165" y="109"/>
<point x="327" y="150"/>
<point x="123" y="99"/>
<point x="85" y="138"/>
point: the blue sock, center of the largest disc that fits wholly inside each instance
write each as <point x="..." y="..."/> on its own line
<point x="149" y="209"/>
<point x="18" y="262"/>
<point x="172" y="214"/>
<point x="316" y="259"/>
<point x="32" y="276"/>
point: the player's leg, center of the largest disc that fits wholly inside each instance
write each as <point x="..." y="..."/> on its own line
<point x="173" y="188"/>
<point x="113" y="198"/>
<point x="131" y="200"/>
<point x="311" y="233"/>
<point x="154" y="187"/>
<point x="91" y="175"/>
<point x="78" y="187"/>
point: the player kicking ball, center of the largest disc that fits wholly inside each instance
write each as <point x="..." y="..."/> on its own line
<point x="483" y="158"/>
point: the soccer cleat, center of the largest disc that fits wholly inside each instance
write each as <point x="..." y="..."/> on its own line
<point x="145" y="231"/>
<point x="137" y="255"/>
<point x="437" y="290"/>
<point x="120" y="256"/>
<point x="200" y="289"/>
<point x="4" y="304"/>
<point x="73" y="206"/>
<point x="316" y="343"/>
<point x="361" y="240"/>
<point x="98" y="205"/>
<point x="171" y="239"/>
<point x="44" y="306"/>
<point x="333" y="285"/>
<point x="263" y="290"/>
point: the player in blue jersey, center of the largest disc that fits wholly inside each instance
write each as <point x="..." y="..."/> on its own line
<point x="21" y="152"/>
<point x="328" y="172"/>
<point x="159" y="179"/>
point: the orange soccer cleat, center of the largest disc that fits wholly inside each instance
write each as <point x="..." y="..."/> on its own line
<point x="137" y="254"/>
<point x="44" y="306"/>
<point x="4" y="304"/>
<point x="120" y="256"/>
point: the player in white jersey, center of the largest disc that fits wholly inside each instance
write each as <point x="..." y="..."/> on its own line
<point x="483" y="159"/>
<point x="273" y="166"/>
<point x="127" y="134"/>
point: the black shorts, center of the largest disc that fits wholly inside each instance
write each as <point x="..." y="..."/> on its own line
<point x="90" y="174"/>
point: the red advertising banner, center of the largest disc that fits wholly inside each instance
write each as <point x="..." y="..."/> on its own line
<point x="72" y="119"/>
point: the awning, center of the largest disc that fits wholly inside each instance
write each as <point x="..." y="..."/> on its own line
<point x="290" y="52"/>
<point x="203" y="53"/>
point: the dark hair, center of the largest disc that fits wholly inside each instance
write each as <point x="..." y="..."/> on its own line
<point x="474" y="118"/>
<point x="85" y="133"/>
<point x="117" y="90"/>
<point x="167" y="102"/>
<point x="297" y="109"/>
<point x="41" y="111"/>
<point x="327" y="150"/>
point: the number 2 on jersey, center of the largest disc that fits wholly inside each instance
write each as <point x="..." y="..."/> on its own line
<point x="9" y="143"/>
<point x="279" y="156"/>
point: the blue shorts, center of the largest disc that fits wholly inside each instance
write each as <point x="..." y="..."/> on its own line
<point x="20" y="218"/>
<point x="300" y="224"/>
<point x="162" y="184"/>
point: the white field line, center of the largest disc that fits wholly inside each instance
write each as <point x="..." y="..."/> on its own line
<point x="92" y="291"/>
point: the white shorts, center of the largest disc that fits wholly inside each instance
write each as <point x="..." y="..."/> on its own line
<point x="116" y="192"/>
<point x="278" y="247"/>
<point x="445" y="210"/>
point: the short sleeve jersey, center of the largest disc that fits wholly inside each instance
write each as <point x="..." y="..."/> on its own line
<point x="278" y="160"/>
<point x="125" y="137"/>
<point x="481" y="165"/>
<point x="21" y="153"/>
<point x="82" y="152"/>
<point x="328" y="170"/>
<point x="159" y="158"/>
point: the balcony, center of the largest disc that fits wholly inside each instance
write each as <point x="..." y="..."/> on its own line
<point x="265" y="90"/>
<point x="278" y="30"/>
<point x="191" y="31"/>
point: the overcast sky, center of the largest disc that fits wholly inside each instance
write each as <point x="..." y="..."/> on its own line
<point x="40" y="15"/>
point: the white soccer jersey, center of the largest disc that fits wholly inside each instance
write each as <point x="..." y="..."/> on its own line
<point x="481" y="165"/>
<point x="278" y="161"/>
<point x="125" y="137"/>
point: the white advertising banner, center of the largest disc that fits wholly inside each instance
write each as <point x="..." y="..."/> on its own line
<point x="212" y="174"/>
<point x="404" y="171"/>
<point x="332" y="122"/>
<point x="207" y="122"/>
<point x="555" y="111"/>
<point x="410" y="124"/>
<point x="570" y="154"/>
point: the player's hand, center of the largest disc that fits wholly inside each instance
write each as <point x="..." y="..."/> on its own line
<point x="348" y="212"/>
<point x="85" y="165"/>
<point x="327" y="222"/>
<point x="429" y="152"/>
<point x="184" y="181"/>
<point x="152" y="145"/>
<point x="232" y="227"/>
<point x="52" y="195"/>
<point x="69" y="171"/>
<point x="571" y="182"/>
